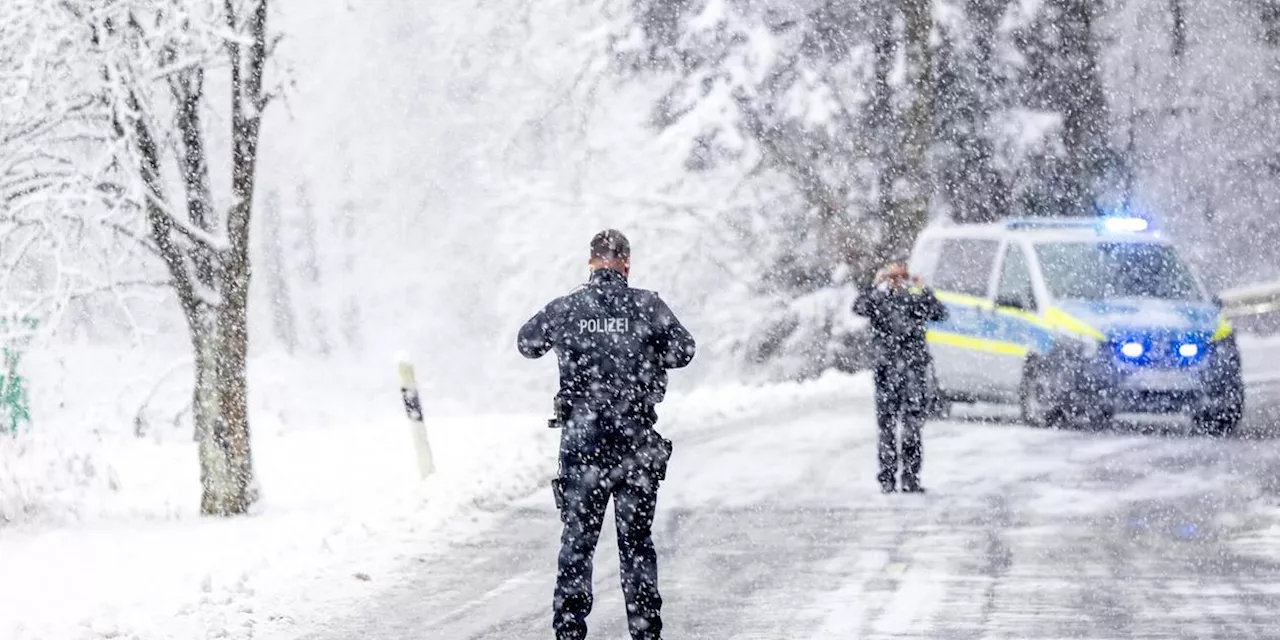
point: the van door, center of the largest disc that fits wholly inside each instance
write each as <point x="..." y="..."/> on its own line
<point x="963" y="280"/>
<point x="1018" y="316"/>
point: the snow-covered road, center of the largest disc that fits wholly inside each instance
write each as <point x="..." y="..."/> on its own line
<point x="771" y="527"/>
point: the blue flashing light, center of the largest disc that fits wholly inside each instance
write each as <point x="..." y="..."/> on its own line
<point x="1050" y="223"/>
<point x="1182" y="351"/>
<point x="1114" y="223"/>
<point x="1132" y="350"/>
<point x="1126" y="225"/>
<point x="1191" y="349"/>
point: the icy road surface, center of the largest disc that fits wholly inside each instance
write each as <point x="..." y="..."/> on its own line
<point x="772" y="528"/>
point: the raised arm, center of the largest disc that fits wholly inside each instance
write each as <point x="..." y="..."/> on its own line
<point x="934" y="310"/>
<point x="673" y="343"/>
<point x="536" y="336"/>
<point x="866" y="303"/>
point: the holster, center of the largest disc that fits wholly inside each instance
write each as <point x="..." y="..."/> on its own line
<point x="559" y="412"/>
<point x="661" y="454"/>
<point x="659" y="448"/>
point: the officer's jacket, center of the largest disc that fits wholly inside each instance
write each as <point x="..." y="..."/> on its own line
<point x="899" y="319"/>
<point x="613" y="343"/>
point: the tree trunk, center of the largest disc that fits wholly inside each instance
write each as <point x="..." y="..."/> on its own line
<point x="990" y="190"/>
<point x="880" y="111"/>
<point x="247" y="68"/>
<point x="222" y="487"/>
<point x="911" y="192"/>
<point x="1085" y="111"/>
<point x="219" y="493"/>
<point x="1178" y="35"/>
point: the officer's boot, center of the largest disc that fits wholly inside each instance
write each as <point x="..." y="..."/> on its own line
<point x="887" y="456"/>
<point x="911" y="484"/>
<point x="912" y="450"/>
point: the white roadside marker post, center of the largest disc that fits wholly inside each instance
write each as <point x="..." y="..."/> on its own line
<point x="413" y="409"/>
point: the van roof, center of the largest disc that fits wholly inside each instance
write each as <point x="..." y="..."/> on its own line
<point x="1062" y="229"/>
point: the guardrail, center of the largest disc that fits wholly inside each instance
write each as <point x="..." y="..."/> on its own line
<point x="1252" y="300"/>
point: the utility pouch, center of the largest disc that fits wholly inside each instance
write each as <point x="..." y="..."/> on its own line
<point x="661" y="454"/>
<point x="560" y="413"/>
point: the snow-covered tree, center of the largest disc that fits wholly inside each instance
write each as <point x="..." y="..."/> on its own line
<point x="868" y="119"/>
<point x="161" y="67"/>
<point x="969" y="184"/>
<point x="70" y="245"/>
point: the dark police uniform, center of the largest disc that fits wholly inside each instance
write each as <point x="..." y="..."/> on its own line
<point x="898" y="319"/>
<point x="614" y="345"/>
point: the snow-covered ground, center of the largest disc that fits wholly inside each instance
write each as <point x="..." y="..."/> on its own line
<point x="106" y="541"/>
<point x="104" y="538"/>
<point x="772" y="526"/>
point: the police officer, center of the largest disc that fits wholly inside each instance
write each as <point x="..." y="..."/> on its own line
<point x="898" y="307"/>
<point x="614" y="345"/>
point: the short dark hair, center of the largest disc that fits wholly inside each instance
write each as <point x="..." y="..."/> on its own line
<point x="610" y="244"/>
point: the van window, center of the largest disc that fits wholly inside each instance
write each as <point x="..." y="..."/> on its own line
<point x="964" y="266"/>
<point x="1015" y="279"/>
<point x="1110" y="270"/>
<point x="925" y="259"/>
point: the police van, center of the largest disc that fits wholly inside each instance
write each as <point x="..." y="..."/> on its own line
<point x="1075" y="321"/>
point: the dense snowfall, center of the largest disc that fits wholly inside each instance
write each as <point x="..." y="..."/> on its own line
<point x="430" y="175"/>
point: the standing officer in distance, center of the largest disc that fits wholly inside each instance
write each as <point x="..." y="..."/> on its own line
<point x="898" y="309"/>
<point x="614" y="345"/>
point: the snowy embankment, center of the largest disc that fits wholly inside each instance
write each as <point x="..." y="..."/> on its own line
<point x="1261" y="360"/>
<point x="103" y="538"/>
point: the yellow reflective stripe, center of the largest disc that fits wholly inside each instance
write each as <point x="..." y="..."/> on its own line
<point x="1059" y="319"/>
<point x="1053" y="318"/>
<point x="963" y="299"/>
<point x="976" y="344"/>
<point x="1224" y="330"/>
<point x="1025" y="317"/>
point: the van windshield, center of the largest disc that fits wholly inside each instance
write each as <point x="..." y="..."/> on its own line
<point x="1109" y="270"/>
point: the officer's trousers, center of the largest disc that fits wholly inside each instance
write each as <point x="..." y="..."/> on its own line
<point x="900" y="400"/>
<point x="584" y="492"/>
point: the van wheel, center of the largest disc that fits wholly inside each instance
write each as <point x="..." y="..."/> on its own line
<point x="1216" y="426"/>
<point x="1219" y="424"/>
<point x="1222" y="421"/>
<point x="1046" y="405"/>
<point x="1038" y="409"/>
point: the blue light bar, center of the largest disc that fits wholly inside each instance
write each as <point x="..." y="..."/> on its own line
<point x="1125" y="225"/>
<point x="1051" y="223"/>
<point x="1102" y="224"/>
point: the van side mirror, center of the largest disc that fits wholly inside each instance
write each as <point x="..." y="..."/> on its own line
<point x="1217" y="301"/>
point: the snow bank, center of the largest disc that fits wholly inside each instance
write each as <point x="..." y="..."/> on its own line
<point x="105" y="539"/>
<point x="337" y="502"/>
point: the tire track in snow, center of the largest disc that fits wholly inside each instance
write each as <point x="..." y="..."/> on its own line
<point x="1027" y="534"/>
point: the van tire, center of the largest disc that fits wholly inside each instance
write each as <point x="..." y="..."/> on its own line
<point x="1216" y="426"/>
<point x="1074" y="411"/>
<point x="1037" y="410"/>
